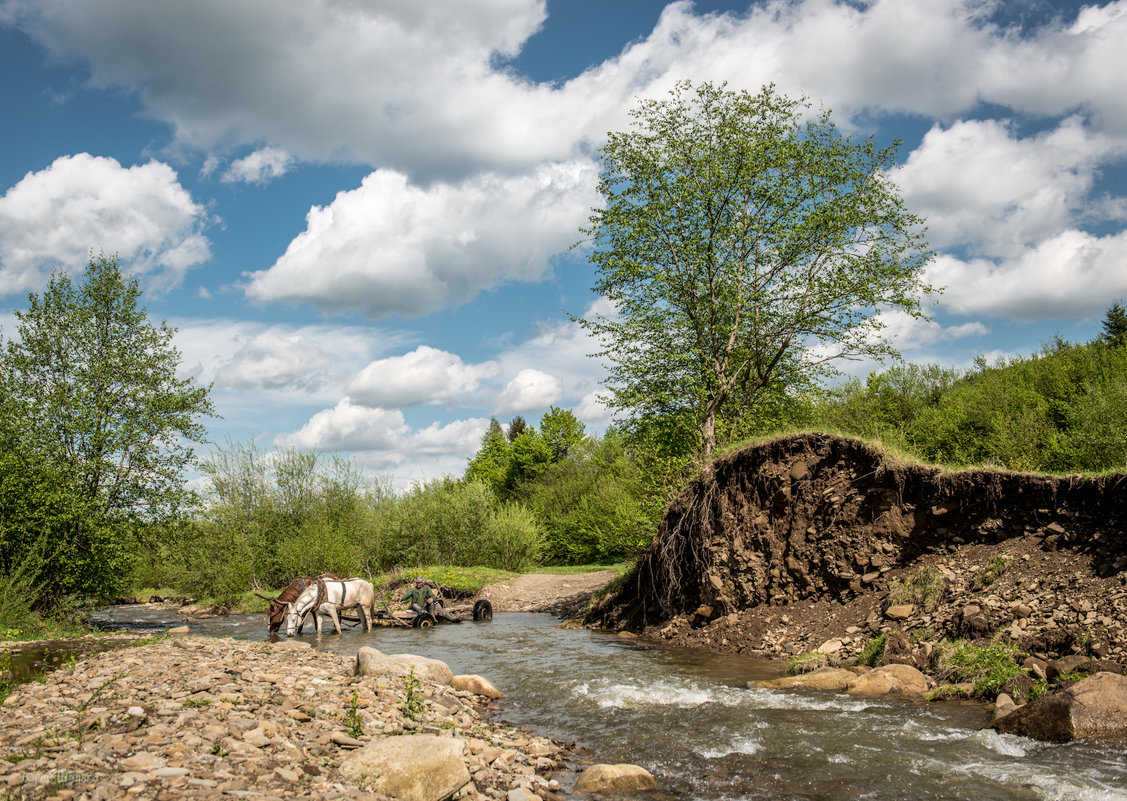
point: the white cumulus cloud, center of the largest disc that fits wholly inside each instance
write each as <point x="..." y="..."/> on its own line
<point x="261" y="166"/>
<point x="425" y="375"/>
<point x="1072" y="274"/>
<point x="982" y="187"/>
<point x="349" y="427"/>
<point x="393" y="247"/>
<point x="272" y="360"/>
<point x="528" y="390"/>
<point x="424" y="87"/>
<point x="54" y="218"/>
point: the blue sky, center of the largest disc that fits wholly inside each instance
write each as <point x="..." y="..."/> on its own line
<point x="358" y="214"/>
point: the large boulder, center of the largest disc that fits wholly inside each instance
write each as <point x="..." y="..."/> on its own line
<point x="476" y="685"/>
<point x="372" y="662"/>
<point x="1094" y="707"/>
<point x="615" y="780"/>
<point x="421" y="767"/>
<point x="897" y="679"/>
<point x="822" y="679"/>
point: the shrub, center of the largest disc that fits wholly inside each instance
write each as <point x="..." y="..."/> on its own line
<point x="987" y="667"/>
<point x="513" y="539"/>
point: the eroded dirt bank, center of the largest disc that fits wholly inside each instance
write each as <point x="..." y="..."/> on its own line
<point x="789" y="545"/>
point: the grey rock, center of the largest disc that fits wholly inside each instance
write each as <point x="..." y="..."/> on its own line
<point x="1094" y="707"/>
<point x="618" y="779"/>
<point x="372" y="662"/>
<point x="422" y="767"/>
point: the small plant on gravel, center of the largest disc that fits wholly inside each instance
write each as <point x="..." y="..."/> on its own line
<point x="412" y="707"/>
<point x="924" y="587"/>
<point x="873" y="650"/>
<point x="352" y="719"/>
<point x="99" y="691"/>
<point x="988" y="667"/>
<point x="217" y="750"/>
<point x="1040" y="687"/>
<point x="7" y="681"/>
<point x="197" y="703"/>
<point x="149" y="640"/>
<point x="989" y="574"/>
<point x="806" y="663"/>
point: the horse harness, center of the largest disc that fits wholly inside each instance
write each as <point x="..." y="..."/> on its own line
<point x="323" y="592"/>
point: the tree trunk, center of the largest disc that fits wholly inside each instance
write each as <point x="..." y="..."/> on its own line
<point x="708" y="435"/>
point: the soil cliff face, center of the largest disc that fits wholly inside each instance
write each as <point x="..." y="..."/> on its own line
<point x="785" y="542"/>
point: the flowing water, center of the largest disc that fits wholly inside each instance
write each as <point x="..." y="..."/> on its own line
<point x="689" y="718"/>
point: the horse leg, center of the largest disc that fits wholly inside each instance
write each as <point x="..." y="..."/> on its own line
<point x="336" y="620"/>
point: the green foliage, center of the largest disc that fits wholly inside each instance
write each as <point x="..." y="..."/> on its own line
<point x="512" y="539"/>
<point x="806" y="663"/>
<point x="272" y="517"/>
<point x="737" y="232"/>
<point x="529" y="456"/>
<point x="873" y="650"/>
<point x="592" y="504"/>
<point x="1061" y="410"/>
<point x="490" y="465"/>
<point x="589" y="500"/>
<point x="923" y="587"/>
<point x="987" y="667"/>
<point x="517" y="426"/>
<point x="1115" y="327"/>
<point x="95" y="431"/>
<point x="352" y="716"/>
<point x="561" y="431"/>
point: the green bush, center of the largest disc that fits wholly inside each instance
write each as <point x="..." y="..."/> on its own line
<point x="987" y="667"/>
<point x="873" y="650"/>
<point x="273" y="517"/>
<point x="513" y="539"/>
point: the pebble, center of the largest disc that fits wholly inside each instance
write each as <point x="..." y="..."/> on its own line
<point x="201" y="718"/>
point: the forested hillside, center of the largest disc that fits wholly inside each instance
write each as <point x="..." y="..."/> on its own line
<point x="1061" y="410"/>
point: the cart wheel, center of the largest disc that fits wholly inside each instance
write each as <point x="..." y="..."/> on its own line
<point x="423" y="621"/>
<point x="483" y="610"/>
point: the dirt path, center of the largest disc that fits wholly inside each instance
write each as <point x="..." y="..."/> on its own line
<point x="545" y="592"/>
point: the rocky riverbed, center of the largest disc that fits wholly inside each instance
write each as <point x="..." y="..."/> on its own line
<point x="199" y="718"/>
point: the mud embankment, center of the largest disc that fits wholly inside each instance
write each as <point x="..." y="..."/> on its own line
<point x="783" y="545"/>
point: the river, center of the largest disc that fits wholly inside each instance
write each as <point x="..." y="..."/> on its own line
<point x="689" y="718"/>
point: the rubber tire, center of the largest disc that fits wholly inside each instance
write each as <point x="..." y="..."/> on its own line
<point x="423" y="621"/>
<point x="483" y="610"/>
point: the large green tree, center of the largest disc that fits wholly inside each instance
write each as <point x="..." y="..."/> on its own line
<point x="92" y="392"/>
<point x="745" y="246"/>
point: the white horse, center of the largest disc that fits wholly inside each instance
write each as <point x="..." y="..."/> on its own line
<point x="345" y="594"/>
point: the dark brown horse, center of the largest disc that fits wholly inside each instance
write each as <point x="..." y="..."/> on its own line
<point x="276" y="614"/>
